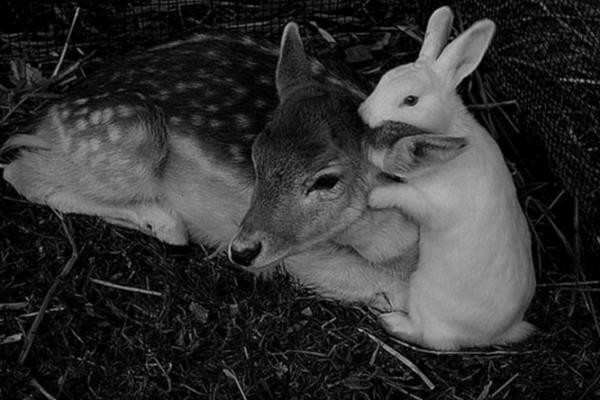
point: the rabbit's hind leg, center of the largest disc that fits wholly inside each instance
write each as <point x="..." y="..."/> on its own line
<point x="400" y="325"/>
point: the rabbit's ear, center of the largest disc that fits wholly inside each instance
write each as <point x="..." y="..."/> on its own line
<point x="293" y="67"/>
<point x="464" y="53"/>
<point x="436" y="34"/>
<point x="420" y="152"/>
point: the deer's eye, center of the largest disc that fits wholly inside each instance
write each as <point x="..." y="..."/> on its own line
<point x="325" y="182"/>
<point x="410" y="100"/>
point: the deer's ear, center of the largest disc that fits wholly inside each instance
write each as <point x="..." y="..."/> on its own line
<point x="421" y="152"/>
<point x="293" y="68"/>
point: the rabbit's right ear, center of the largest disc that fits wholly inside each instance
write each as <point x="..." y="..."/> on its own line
<point x="420" y="152"/>
<point x="436" y="34"/>
<point x="464" y="53"/>
<point x="293" y="68"/>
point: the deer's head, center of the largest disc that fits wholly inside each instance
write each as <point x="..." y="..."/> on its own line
<point x="311" y="176"/>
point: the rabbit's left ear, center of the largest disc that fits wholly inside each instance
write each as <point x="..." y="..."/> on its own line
<point x="436" y="34"/>
<point x="464" y="53"/>
<point x="421" y="152"/>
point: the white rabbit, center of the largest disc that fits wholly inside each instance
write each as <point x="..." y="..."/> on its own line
<point x="475" y="276"/>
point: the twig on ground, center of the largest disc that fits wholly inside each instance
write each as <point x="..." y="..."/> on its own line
<point x="126" y="288"/>
<point x="40" y="389"/>
<point x="65" y="271"/>
<point x="165" y="374"/>
<point x="17" y="337"/>
<point x="231" y="375"/>
<point x="35" y="313"/>
<point x="593" y="383"/>
<point x="13" y="306"/>
<point x="66" y="45"/>
<point x="400" y="358"/>
<point x="504" y="385"/>
<point x="494" y="353"/>
<point x="567" y="284"/>
<point x="191" y="389"/>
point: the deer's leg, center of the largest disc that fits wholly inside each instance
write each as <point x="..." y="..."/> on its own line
<point x="343" y="275"/>
<point x="153" y="219"/>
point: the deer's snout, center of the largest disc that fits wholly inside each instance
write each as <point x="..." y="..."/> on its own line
<point x="244" y="251"/>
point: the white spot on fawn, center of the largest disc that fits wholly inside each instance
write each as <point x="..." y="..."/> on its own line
<point x="236" y="153"/>
<point x="97" y="160"/>
<point x="81" y="124"/>
<point x="101" y="96"/>
<point x="81" y="101"/>
<point x="82" y="111"/>
<point x="216" y="123"/>
<point x="260" y="103"/>
<point x="164" y="94"/>
<point x="114" y="134"/>
<point x="124" y="111"/>
<point x="242" y="120"/>
<point x="95" y="117"/>
<point x="107" y="115"/>
<point x="82" y="150"/>
<point x="241" y="91"/>
<point x="197" y="120"/>
<point x="95" y="144"/>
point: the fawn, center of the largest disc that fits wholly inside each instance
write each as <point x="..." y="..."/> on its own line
<point x="163" y="142"/>
<point x="475" y="276"/>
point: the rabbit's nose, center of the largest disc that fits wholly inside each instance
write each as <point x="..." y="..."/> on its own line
<point x="244" y="253"/>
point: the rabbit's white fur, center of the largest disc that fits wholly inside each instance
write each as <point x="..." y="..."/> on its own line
<point x="475" y="276"/>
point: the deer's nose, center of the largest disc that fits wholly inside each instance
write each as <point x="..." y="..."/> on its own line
<point x="244" y="253"/>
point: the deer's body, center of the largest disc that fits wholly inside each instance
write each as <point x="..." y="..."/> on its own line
<point x="475" y="276"/>
<point x="162" y="142"/>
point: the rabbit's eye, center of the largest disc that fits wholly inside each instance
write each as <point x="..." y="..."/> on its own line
<point x="410" y="100"/>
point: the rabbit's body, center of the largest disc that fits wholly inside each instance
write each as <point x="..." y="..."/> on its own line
<point x="162" y="142"/>
<point x="475" y="277"/>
